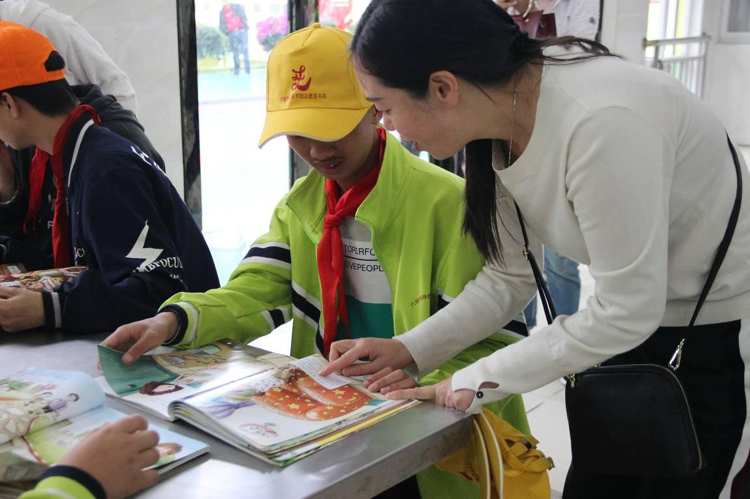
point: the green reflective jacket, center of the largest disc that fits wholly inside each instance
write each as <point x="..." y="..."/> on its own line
<point x="58" y="487"/>
<point x="415" y="214"/>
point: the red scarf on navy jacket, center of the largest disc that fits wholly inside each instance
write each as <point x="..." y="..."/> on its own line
<point x="331" y="247"/>
<point x="60" y="222"/>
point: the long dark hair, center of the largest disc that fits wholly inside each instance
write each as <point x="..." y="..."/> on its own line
<point x="402" y="42"/>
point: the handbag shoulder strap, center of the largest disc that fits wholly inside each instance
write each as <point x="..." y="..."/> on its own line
<point x="544" y="294"/>
<point x="546" y="298"/>
<point x="724" y="245"/>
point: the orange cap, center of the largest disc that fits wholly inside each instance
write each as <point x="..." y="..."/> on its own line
<point x="23" y="55"/>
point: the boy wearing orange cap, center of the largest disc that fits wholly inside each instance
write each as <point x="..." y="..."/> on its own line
<point x="115" y="212"/>
<point x="369" y="243"/>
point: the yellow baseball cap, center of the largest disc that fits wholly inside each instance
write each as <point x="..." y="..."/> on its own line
<point x="311" y="88"/>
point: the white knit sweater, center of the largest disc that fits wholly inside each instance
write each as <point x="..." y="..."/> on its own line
<point x="629" y="173"/>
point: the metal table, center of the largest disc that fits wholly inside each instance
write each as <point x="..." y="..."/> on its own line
<point x="361" y="465"/>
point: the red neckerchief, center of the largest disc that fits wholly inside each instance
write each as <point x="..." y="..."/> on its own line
<point x="60" y="222"/>
<point x="331" y="248"/>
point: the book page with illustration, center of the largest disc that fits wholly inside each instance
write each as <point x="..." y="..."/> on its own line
<point x="153" y="381"/>
<point x="37" y="398"/>
<point x="285" y="407"/>
<point x="45" y="412"/>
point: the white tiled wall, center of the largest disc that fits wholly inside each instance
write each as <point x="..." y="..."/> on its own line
<point x="727" y="76"/>
<point x="624" y="27"/>
<point x="624" y="24"/>
<point x="141" y="37"/>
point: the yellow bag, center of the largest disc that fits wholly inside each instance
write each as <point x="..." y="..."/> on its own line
<point x="495" y="446"/>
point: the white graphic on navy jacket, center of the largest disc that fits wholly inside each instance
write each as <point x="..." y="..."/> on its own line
<point x="139" y="251"/>
<point x="142" y="155"/>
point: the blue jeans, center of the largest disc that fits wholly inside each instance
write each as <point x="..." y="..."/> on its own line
<point x="238" y="43"/>
<point x="564" y="284"/>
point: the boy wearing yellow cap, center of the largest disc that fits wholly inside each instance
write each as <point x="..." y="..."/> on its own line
<point x="369" y="243"/>
<point x="115" y="212"/>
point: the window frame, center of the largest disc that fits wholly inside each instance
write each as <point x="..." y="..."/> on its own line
<point x="301" y="13"/>
<point x="726" y="36"/>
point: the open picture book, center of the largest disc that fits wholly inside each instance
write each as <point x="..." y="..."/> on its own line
<point x="269" y="405"/>
<point x="45" y="412"/>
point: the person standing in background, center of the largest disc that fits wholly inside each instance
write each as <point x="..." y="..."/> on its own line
<point x="86" y="60"/>
<point x="233" y="23"/>
<point x="572" y="17"/>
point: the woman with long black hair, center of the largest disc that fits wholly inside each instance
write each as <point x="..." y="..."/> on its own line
<point x="611" y="164"/>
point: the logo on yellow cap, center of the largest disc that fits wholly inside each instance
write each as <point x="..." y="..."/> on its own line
<point x="299" y="75"/>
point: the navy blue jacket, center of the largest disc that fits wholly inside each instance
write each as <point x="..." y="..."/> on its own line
<point x="34" y="249"/>
<point x="132" y="230"/>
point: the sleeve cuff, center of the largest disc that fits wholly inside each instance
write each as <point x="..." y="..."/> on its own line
<point x="419" y="351"/>
<point x="77" y="475"/>
<point x="182" y="319"/>
<point x="466" y="379"/>
<point x="52" y="311"/>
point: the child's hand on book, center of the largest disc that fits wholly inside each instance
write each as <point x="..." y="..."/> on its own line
<point x="116" y="455"/>
<point x="20" y="309"/>
<point x="139" y="337"/>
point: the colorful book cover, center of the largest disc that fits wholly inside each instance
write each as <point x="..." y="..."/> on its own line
<point x="40" y="280"/>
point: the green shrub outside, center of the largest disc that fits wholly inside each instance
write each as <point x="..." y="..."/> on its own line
<point x="211" y="42"/>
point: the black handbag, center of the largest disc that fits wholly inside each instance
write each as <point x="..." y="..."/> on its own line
<point x="634" y="419"/>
